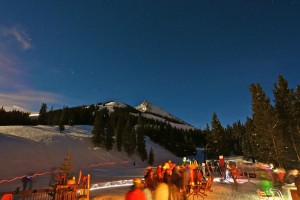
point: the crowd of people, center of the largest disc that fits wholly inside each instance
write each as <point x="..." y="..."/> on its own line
<point x="170" y="181"/>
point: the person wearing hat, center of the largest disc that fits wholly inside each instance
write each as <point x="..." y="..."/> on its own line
<point x="136" y="192"/>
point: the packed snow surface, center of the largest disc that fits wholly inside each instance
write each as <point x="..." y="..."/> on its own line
<point x="38" y="149"/>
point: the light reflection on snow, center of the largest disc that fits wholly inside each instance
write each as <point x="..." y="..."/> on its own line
<point x="230" y="180"/>
<point x="120" y="183"/>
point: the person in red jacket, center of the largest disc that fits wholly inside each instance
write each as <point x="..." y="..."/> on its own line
<point x="136" y="192"/>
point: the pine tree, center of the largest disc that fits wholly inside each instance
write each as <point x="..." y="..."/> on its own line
<point x="66" y="167"/>
<point x="98" y="129"/>
<point x="109" y="133"/>
<point x="151" y="157"/>
<point x="119" y="133"/>
<point x="238" y="132"/>
<point x="267" y="144"/>
<point x="42" y="114"/>
<point x="248" y="141"/>
<point x="215" y="138"/>
<point x="141" y="143"/>
<point x="129" y="138"/>
<point x="286" y="122"/>
<point x="229" y="140"/>
<point x="296" y="115"/>
<point x="169" y="136"/>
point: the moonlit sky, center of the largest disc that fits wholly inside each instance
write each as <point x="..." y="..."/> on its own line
<point x="189" y="57"/>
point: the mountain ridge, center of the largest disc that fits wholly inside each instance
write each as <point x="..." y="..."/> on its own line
<point x="151" y="111"/>
<point x="146" y="109"/>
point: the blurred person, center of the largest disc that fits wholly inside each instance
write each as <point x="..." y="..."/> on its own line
<point x="146" y="191"/>
<point x="186" y="180"/>
<point x="7" y="197"/>
<point x="234" y="172"/>
<point x="200" y="177"/>
<point x="176" y="184"/>
<point x="159" y="173"/>
<point x="290" y="176"/>
<point x="136" y="192"/>
<point x="149" y="178"/>
<point x="162" y="190"/>
<point x="25" y="181"/>
<point x="265" y="183"/>
<point x="297" y="183"/>
<point x="17" y="194"/>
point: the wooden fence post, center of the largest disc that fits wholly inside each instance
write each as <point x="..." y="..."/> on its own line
<point x="88" y="187"/>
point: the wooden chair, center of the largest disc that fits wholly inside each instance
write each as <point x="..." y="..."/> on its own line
<point x="200" y="190"/>
<point x="270" y="194"/>
<point x="205" y="187"/>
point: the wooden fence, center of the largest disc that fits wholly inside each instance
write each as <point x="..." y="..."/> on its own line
<point x="59" y="193"/>
<point x="40" y="194"/>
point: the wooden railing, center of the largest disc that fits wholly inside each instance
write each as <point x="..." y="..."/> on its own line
<point x="40" y="194"/>
<point x="80" y="193"/>
<point x="68" y="191"/>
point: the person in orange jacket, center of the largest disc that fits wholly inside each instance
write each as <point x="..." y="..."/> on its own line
<point x="136" y="192"/>
<point x="7" y="197"/>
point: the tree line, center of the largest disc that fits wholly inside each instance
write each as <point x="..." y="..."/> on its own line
<point x="126" y="132"/>
<point x="124" y="129"/>
<point x="270" y="135"/>
<point x="14" y="117"/>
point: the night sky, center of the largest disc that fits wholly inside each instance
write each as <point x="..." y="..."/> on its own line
<point x="191" y="58"/>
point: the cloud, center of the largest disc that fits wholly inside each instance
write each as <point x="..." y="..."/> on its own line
<point x="18" y="34"/>
<point x="8" y="65"/>
<point x="11" y="76"/>
<point x="15" y="87"/>
<point x="12" y="70"/>
<point x="29" y="100"/>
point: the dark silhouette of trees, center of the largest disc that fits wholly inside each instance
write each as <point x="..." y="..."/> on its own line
<point x="129" y="143"/>
<point x="14" y="118"/>
<point x="286" y="123"/>
<point x="141" y="143"/>
<point x="109" y="131"/>
<point x="99" y="128"/>
<point x="215" y="138"/>
<point x="151" y="157"/>
<point x="42" y="115"/>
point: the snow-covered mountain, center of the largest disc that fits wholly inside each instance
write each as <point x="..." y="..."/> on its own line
<point x="10" y="108"/>
<point x="113" y="104"/>
<point x="147" y="107"/>
<point x="151" y="111"/>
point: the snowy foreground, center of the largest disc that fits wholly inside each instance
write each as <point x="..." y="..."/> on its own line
<point x="221" y="191"/>
<point x="39" y="150"/>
